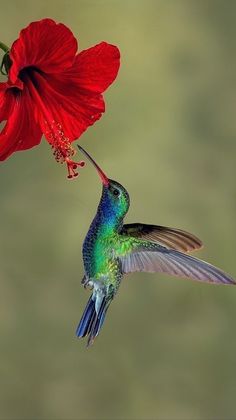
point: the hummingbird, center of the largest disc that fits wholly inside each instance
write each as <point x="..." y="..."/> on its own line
<point x="112" y="249"/>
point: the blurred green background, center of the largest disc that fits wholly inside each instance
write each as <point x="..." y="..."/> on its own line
<point x="167" y="350"/>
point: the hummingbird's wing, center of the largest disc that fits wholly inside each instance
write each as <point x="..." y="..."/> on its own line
<point x="165" y="236"/>
<point x="150" y="257"/>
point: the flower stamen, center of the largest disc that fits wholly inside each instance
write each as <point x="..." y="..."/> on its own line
<point x="72" y="166"/>
<point x="63" y="150"/>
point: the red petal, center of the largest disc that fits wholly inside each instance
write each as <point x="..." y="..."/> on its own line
<point x="49" y="46"/>
<point x="21" y="131"/>
<point x="6" y="102"/>
<point x="96" y="68"/>
<point x="74" y="96"/>
<point x="66" y="105"/>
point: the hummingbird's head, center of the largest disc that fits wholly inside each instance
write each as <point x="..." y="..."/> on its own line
<point x="115" y="198"/>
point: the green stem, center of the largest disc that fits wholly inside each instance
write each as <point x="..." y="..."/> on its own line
<point x="4" y="47"/>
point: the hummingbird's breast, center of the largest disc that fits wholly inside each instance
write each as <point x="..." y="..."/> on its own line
<point x="98" y="252"/>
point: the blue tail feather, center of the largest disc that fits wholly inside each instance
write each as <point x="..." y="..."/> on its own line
<point x="92" y="321"/>
<point x="88" y="314"/>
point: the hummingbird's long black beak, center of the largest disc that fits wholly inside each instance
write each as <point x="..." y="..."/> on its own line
<point x="102" y="175"/>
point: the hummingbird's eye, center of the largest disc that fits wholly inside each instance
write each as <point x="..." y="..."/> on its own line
<point x="116" y="192"/>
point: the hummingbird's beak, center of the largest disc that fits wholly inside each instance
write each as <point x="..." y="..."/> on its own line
<point x="102" y="175"/>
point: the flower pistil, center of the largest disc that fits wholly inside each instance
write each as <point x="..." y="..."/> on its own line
<point x="62" y="148"/>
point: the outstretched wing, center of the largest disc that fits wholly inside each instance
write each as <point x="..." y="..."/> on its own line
<point x="165" y="236"/>
<point x="154" y="258"/>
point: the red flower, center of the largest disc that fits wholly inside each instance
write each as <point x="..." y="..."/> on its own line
<point x="52" y="90"/>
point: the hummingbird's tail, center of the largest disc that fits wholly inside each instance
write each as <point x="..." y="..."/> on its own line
<point x="93" y="318"/>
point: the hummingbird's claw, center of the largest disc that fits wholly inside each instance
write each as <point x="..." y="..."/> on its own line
<point x="87" y="283"/>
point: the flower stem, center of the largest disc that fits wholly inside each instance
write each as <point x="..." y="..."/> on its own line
<point x="4" y="47"/>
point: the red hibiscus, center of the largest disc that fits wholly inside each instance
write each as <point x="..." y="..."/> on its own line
<point x="52" y="90"/>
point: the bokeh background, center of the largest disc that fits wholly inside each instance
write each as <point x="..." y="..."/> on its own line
<point x="167" y="350"/>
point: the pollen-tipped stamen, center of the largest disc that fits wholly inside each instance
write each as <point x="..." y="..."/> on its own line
<point x="63" y="150"/>
<point x="72" y="166"/>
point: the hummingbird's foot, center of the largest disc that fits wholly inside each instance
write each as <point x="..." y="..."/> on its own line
<point x="87" y="283"/>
